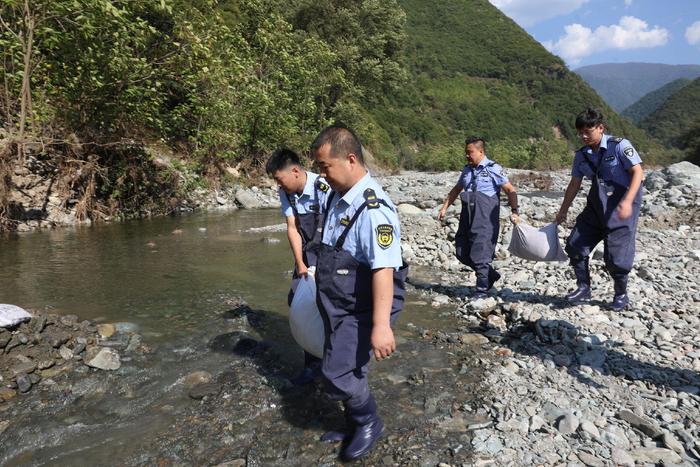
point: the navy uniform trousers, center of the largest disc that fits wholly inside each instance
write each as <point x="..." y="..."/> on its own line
<point x="599" y="221"/>
<point x="345" y="299"/>
<point x="475" y="241"/>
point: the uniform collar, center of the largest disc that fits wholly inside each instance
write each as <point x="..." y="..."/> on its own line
<point x="357" y="189"/>
<point x="309" y="186"/>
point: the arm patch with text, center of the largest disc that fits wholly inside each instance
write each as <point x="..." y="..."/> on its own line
<point x="385" y="235"/>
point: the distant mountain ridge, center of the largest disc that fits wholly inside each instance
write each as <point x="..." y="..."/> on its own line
<point x="652" y="101"/>
<point x="677" y="121"/>
<point x="623" y="84"/>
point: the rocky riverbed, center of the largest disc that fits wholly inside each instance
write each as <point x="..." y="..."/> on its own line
<point x="577" y="385"/>
<point x="520" y="378"/>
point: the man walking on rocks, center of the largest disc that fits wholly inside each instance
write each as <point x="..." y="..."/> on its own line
<point x="302" y="196"/>
<point x="612" y="207"/>
<point x="479" y="187"/>
<point x="360" y="278"/>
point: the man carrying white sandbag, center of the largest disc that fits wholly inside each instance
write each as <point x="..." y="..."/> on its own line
<point x="479" y="187"/>
<point x="303" y="196"/>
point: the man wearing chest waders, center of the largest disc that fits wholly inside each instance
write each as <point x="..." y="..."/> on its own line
<point x="360" y="278"/>
<point x="302" y="196"/>
<point x="478" y="187"/>
<point x="612" y="207"/>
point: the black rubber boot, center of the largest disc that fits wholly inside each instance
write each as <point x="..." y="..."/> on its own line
<point x="493" y="277"/>
<point x="621" y="299"/>
<point x="312" y="369"/>
<point x="368" y="428"/>
<point x="334" y="436"/>
<point x="583" y="281"/>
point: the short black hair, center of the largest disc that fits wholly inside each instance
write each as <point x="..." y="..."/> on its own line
<point x="476" y="140"/>
<point x="342" y="141"/>
<point x="281" y="159"/>
<point x="589" y="118"/>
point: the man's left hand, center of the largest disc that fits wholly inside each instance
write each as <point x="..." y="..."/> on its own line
<point x="624" y="210"/>
<point x="383" y="343"/>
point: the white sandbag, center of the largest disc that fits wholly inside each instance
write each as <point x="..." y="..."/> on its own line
<point x="305" y="319"/>
<point x="12" y="315"/>
<point x="536" y="244"/>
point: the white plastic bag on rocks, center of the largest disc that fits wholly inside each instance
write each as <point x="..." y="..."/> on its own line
<point x="305" y="318"/>
<point x="12" y="315"/>
<point x="536" y="244"/>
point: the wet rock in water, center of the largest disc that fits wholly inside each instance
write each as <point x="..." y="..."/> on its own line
<point x="7" y="393"/>
<point x="3" y="426"/>
<point x="233" y="463"/>
<point x="197" y="378"/>
<point x="24" y="384"/>
<point x="203" y="390"/>
<point x="473" y="339"/>
<point x="65" y="353"/>
<point x="126" y="327"/>
<point x="102" y="358"/>
<point x="106" y="330"/>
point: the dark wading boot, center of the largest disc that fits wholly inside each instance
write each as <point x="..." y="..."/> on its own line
<point x="620" y="302"/>
<point x="621" y="299"/>
<point x="582" y="294"/>
<point x="583" y="281"/>
<point x="494" y="276"/>
<point x="368" y="429"/>
<point x="312" y="370"/>
<point x="334" y="436"/>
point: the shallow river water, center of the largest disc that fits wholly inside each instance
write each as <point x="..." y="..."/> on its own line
<point x="172" y="280"/>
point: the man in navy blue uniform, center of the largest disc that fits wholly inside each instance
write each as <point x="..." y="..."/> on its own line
<point x="302" y="196"/>
<point x="360" y="279"/>
<point x="612" y="207"/>
<point x="478" y="187"/>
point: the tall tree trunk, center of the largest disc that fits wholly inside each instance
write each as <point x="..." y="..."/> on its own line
<point x="26" y="95"/>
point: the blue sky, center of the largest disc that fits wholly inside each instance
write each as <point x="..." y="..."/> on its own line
<point x="586" y="32"/>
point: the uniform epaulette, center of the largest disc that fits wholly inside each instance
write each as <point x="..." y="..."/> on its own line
<point x="615" y="139"/>
<point x="371" y="198"/>
<point x="322" y="186"/>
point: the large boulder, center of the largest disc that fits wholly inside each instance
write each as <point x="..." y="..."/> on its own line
<point x="683" y="173"/>
<point x="247" y="199"/>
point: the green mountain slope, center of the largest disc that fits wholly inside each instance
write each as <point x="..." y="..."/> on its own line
<point x="474" y="71"/>
<point x="623" y="84"/>
<point x="652" y="101"/>
<point x="677" y="121"/>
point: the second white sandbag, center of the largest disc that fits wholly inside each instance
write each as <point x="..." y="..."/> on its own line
<point x="305" y="319"/>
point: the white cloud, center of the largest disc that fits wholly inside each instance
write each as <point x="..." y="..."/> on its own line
<point x="692" y="34"/>
<point x="628" y="2"/>
<point x="630" y="33"/>
<point x="529" y="12"/>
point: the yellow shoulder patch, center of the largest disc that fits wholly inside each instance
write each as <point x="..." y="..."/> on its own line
<point x="385" y="235"/>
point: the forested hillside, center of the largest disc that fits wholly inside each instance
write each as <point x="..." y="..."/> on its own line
<point x="472" y="70"/>
<point x="623" y="84"/>
<point x="677" y="121"/>
<point x="652" y="101"/>
<point x="128" y="105"/>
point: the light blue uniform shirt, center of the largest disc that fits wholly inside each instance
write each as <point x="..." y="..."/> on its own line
<point x="488" y="179"/>
<point x="612" y="161"/>
<point x="306" y="202"/>
<point x="375" y="238"/>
